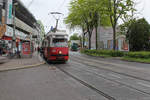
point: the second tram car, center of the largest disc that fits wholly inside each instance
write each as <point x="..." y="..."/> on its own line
<point x="55" y="46"/>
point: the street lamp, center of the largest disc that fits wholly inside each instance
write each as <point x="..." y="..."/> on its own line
<point x="14" y="28"/>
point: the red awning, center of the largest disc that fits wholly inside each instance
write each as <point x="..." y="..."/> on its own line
<point x="7" y="38"/>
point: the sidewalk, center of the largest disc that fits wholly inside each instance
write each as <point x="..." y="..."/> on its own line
<point x="21" y="63"/>
<point x="3" y="59"/>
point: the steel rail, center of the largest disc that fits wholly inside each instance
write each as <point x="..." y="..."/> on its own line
<point x="114" y="81"/>
<point x="132" y="76"/>
<point x="88" y="85"/>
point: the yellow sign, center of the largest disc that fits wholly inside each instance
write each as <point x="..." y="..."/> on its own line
<point x="2" y="27"/>
<point x="2" y="30"/>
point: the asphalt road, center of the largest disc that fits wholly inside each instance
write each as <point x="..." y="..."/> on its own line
<point x="81" y="78"/>
<point x="43" y="83"/>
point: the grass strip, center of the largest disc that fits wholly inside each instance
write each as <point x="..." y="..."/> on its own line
<point x="141" y="60"/>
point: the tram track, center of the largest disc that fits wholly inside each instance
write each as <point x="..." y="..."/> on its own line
<point x="87" y="84"/>
<point x="84" y="83"/>
<point x="85" y="61"/>
<point x="92" y="86"/>
<point x="99" y="75"/>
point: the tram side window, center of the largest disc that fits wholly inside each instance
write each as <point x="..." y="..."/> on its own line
<point x="49" y="42"/>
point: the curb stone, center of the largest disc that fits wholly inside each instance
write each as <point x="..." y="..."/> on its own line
<point x="23" y="67"/>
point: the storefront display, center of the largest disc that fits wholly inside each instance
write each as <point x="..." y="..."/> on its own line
<point x="26" y="48"/>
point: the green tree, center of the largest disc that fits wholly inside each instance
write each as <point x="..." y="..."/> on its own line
<point x="117" y="9"/>
<point x="42" y="33"/>
<point x="74" y="37"/>
<point x="86" y="14"/>
<point x="138" y="35"/>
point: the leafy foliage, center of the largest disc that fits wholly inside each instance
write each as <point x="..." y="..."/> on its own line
<point x="138" y="35"/>
<point x="118" y="9"/>
<point x="42" y="29"/>
<point x="142" y="54"/>
<point x="75" y="37"/>
<point x="111" y="53"/>
<point x="87" y="14"/>
<point x="124" y="28"/>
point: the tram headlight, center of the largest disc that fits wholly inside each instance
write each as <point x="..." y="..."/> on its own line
<point x="60" y="52"/>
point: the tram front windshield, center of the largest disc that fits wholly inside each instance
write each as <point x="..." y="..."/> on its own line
<point x="60" y="43"/>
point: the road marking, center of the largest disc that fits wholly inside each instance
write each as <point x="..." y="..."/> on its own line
<point x="143" y="84"/>
<point x="113" y="75"/>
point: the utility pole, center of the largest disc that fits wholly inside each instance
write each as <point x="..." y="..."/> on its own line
<point x="1" y="7"/>
<point x="1" y="23"/>
<point x="14" y="28"/>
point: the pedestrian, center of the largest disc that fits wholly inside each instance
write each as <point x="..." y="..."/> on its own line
<point x="0" y="51"/>
<point x="18" y="54"/>
<point x="38" y="49"/>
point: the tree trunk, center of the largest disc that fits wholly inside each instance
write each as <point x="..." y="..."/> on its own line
<point x="114" y="37"/>
<point x="96" y="39"/>
<point x="89" y="41"/>
<point x="83" y="40"/>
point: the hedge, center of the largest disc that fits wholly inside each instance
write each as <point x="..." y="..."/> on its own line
<point x="104" y="52"/>
<point x="141" y="54"/>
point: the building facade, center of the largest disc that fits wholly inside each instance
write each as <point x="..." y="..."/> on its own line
<point x="17" y="27"/>
<point x="105" y="40"/>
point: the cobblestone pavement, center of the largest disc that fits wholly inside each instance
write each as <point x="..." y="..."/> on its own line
<point x="22" y="62"/>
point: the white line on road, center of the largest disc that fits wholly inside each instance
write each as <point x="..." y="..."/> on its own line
<point x="143" y="84"/>
<point x="113" y="75"/>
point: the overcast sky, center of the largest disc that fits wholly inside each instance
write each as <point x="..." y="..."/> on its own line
<point x="41" y="8"/>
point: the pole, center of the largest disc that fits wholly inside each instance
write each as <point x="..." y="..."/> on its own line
<point x="1" y="23"/>
<point x="14" y="27"/>
<point x="1" y="7"/>
<point x="56" y="23"/>
<point x="31" y="48"/>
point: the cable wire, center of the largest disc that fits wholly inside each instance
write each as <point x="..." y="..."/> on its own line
<point x="30" y="3"/>
<point x="62" y="4"/>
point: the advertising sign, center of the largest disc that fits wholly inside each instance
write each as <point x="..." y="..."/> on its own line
<point x="9" y="11"/>
<point x="18" y="34"/>
<point x="9" y="31"/>
<point x="26" y="48"/>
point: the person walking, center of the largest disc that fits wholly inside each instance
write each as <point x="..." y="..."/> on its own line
<point x="0" y="51"/>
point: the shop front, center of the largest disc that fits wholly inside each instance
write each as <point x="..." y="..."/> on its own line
<point x="22" y="42"/>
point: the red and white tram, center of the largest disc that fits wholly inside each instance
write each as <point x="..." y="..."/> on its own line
<point x="55" y="46"/>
